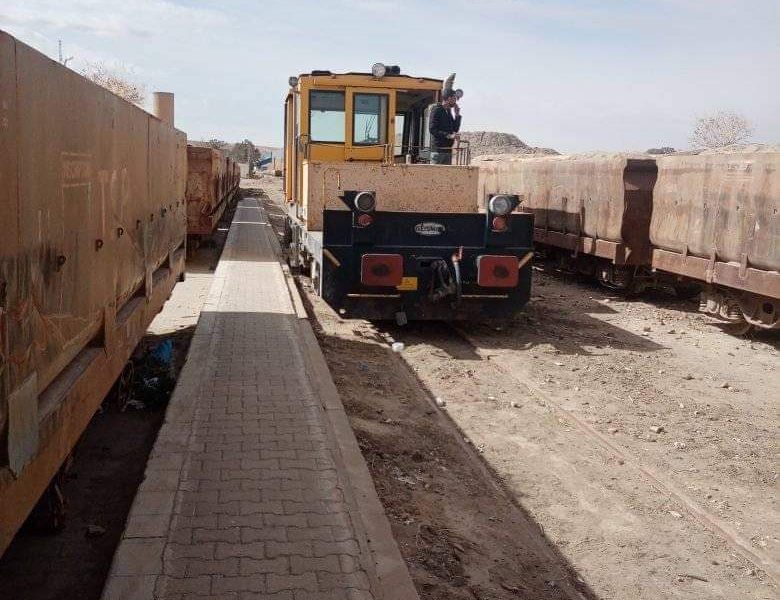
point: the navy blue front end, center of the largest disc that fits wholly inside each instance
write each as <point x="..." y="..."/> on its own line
<point x="430" y="244"/>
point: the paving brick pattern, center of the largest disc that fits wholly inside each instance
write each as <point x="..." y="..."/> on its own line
<point x="244" y="497"/>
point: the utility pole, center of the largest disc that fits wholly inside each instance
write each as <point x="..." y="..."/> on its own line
<point x="249" y="158"/>
<point x="63" y="61"/>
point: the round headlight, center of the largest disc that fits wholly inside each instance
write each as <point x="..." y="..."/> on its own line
<point x="500" y="205"/>
<point x="378" y="70"/>
<point x="293" y="81"/>
<point x="365" y="201"/>
<point x="459" y="93"/>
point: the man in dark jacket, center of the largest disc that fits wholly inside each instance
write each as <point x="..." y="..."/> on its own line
<point x="444" y="126"/>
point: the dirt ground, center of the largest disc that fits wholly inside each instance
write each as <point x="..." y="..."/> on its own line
<point x="618" y="449"/>
<point x="109" y="462"/>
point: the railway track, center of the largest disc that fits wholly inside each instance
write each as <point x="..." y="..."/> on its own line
<point x="718" y="526"/>
<point x="599" y="499"/>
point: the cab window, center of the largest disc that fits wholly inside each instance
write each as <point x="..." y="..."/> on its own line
<point x="369" y="125"/>
<point x="326" y="116"/>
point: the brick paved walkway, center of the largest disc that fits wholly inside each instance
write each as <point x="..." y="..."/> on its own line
<point x="248" y="492"/>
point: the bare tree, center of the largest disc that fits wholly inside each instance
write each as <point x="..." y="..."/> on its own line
<point x="117" y="81"/>
<point x="661" y="150"/>
<point x="722" y="128"/>
<point x="215" y="143"/>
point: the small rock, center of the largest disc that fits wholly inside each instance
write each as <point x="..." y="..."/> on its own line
<point x="491" y="398"/>
<point x="95" y="530"/>
<point x="398" y="347"/>
<point x="612" y="430"/>
<point x="672" y="331"/>
<point x="657" y="429"/>
<point x="688" y="377"/>
<point x="646" y="328"/>
<point x="440" y="402"/>
<point x="558" y="364"/>
<point x="675" y="514"/>
<point x="680" y="445"/>
<point x="515" y="405"/>
<point x="681" y="405"/>
<point x="750" y="572"/>
<point x="725" y="385"/>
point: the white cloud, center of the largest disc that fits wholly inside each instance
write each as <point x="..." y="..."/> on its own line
<point x="109" y="18"/>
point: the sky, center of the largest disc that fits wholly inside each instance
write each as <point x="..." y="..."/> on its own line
<point x="577" y="76"/>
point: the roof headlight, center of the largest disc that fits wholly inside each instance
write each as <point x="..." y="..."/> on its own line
<point x="459" y="93"/>
<point x="293" y="81"/>
<point x="501" y="205"/>
<point x="365" y="201"/>
<point x="378" y="70"/>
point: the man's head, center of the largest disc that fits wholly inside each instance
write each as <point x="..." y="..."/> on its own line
<point x="449" y="98"/>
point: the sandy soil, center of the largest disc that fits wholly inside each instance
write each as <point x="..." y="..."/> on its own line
<point x="566" y="405"/>
<point x="637" y="440"/>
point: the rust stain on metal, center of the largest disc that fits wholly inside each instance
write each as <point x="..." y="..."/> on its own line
<point x="212" y="180"/>
<point x="720" y="207"/>
<point x="64" y="273"/>
<point x="598" y="205"/>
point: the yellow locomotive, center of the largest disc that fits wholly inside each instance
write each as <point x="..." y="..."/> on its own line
<point x="384" y="233"/>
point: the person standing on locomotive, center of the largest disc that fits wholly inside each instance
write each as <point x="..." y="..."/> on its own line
<point x="444" y="126"/>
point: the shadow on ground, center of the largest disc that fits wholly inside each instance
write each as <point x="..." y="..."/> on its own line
<point x="462" y="534"/>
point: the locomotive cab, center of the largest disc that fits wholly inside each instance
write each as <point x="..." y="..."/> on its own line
<point x="382" y="232"/>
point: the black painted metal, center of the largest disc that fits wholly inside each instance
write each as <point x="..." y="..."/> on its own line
<point x="423" y="239"/>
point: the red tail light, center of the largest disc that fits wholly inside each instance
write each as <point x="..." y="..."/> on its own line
<point x="385" y="270"/>
<point x="499" y="223"/>
<point x="498" y="271"/>
<point x="364" y="220"/>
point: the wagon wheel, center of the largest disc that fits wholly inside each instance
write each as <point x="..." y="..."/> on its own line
<point x="739" y="328"/>
<point x="686" y="291"/>
<point x="49" y="513"/>
<point x="314" y="274"/>
<point x="124" y="386"/>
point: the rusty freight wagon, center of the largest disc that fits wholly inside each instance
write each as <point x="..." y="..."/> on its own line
<point x="591" y="212"/>
<point x="715" y="220"/>
<point x="698" y="222"/>
<point x="212" y="181"/>
<point x="92" y="234"/>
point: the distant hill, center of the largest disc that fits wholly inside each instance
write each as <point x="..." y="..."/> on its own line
<point x="236" y="150"/>
<point x="494" y="142"/>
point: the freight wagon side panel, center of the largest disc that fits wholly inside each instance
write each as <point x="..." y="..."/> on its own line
<point x="206" y="189"/>
<point x="92" y="242"/>
<point x="602" y="197"/>
<point x="721" y="206"/>
<point x="9" y="208"/>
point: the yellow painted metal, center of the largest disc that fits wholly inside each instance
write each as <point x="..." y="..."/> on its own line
<point x="408" y="284"/>
<point x="299" y="149"/>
